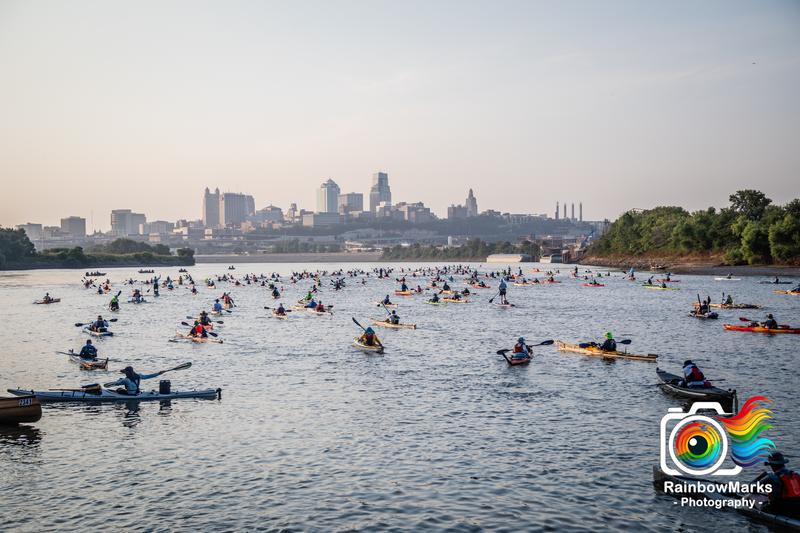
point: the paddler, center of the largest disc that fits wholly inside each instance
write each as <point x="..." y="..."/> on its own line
<point x="784" y="499"/>
<point x="770" y="322"/>
<point x="445" y="286"/>
<point x="280" y="310"/>
<point x="217" y="307"/>
<point x="88" y="351"/>
<point x="198" y="330"/>
<point x="693" y="377"/>
<point x="434" y="298"/>
<point x="204" y="320"/>
<point x="47" y="299"/>
<point x="393" y="318"/>
<point x="502" y="290"/>
<point x="320" y="308"/>
<point x="130" y="383"/>
<point x="728" y="300"/>
<point x="312" y="304"/>
<point x="100" y="325"/>
<point x="609" y="345"/>
<point x="114" y="305"/>
<point x="520" y="350"/>
<point x="663" y="285"/>
<point x="369" y="338"/>
<point x="404" y="287"/>
<point x="275" y="293"/>
<point x="386" y="300"/>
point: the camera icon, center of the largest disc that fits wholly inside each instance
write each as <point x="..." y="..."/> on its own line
<point x="697" y="444"/>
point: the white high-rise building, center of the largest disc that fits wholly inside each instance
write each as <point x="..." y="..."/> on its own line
<point x="471" y="205"/>
<point x="380" y="191"/>
<point x="328" y="197"/>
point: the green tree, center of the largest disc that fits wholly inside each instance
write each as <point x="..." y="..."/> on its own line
<point x="755" y="243"/>
<point x="750" y="203"/>
<point x="784" y="239"/>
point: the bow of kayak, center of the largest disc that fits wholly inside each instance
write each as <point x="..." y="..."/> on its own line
<point x="597" y="352"/>
<point x="783" y="328"/>
<point x="366" y="348"/>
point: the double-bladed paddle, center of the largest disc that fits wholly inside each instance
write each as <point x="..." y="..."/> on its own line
<point x="79" y="324"/>
<point x="543" y="343"/>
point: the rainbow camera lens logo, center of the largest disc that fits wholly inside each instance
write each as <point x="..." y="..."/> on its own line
<point x="698" y="444"/>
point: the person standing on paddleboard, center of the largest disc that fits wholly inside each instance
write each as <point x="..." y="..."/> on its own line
<point x="502" y="289"/>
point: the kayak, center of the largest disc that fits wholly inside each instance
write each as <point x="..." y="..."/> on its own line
<point x="385" y="324"/>
<point x="106" y="395"/>
<point x="476" y="286"/>
<point x="673" y="384"/>
<point x="135" y="301"/>
<point x="783" y="328"/>
<point x="546" y="281"/>
<point x="181" y="335"/>
<point x="22" y="410"/>
<point x="593" y="285"/>
<point x="390" y="306"/>
<point x="89" y="364"/>
<point x="369" y="349"/>
<point x="429" y="302"/>
<point x="454" y="301"/>
<point x="597" y="352"/>
<point x="280" y="316"/>
<point x="657" y="288"/>
<point x="776" y="282"/>
<point x="711" y="315"/>
<point x="668" y="280"/>
<point x="215" y="313"/>
<point x="519" y="361"/>
<point x="403" y="293"/>
<point x="446" y="292"/>
<point x="45" y="302"/>
<point x="795" y="293"/>
<point x="728" y="279"/>
<point x="735" y="306"/>
<point x="699" y="491"/>
<point x="98" y="333"/>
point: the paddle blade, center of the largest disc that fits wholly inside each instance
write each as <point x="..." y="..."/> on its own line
<point x="743" y="319"/>
<point x="546" y="343"/>
<point x="184" y="366"/>
<point x="503" y="351"/>
<point x="624" y="341"/>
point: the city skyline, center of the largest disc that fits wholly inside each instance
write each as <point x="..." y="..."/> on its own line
<point x="634" y="106"/>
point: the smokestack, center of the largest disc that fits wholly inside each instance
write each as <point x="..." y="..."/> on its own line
<point x="556" y="210"/>
<point x="580" y="211"/>
<point x="572" y="208"/>
<point x="565" y="209"/>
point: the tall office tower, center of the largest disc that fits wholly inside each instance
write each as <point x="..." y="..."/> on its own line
<point x="471" y="205"/>
<point x="580" y="211"/>
<point x="124" y="222"/>
<point x="234" y="208"/>
<point x="380" y="191"/>
<point x="565" y="209"/>
<point x="557" y="210"/>
<point x="351" y="202"/>
<point x="572" y="210"/>
<point x="211" y="209"/>
<point x="328" y="197"/>
<point x="75" y="226"/>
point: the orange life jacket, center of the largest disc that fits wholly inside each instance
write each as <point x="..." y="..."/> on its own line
<point x="791" y="485"/>
<point x="518" y="348"/>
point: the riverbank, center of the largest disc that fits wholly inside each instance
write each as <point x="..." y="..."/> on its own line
<point x="91" y="261"/>
<point x="690" y="264"/>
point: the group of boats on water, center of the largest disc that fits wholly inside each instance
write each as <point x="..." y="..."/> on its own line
<point x="438" y="288"/>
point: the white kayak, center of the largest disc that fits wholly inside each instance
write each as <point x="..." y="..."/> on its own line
<point x="106" y="395"/>
<point x="728" y="279"/>
<point x="98" y="333"/>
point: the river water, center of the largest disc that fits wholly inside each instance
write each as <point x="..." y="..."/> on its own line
<point x="312" y="435"/>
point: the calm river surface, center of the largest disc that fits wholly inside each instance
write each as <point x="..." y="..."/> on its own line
<point x="437" y="434"/>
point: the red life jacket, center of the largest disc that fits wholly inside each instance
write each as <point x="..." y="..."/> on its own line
<point x="791" y="485"/>
<point x="518" y="348"/>
<point x="198" y="329"/>
<point x="696" y="375"/>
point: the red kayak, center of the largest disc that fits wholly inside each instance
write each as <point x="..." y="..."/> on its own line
<point x="783" y="328"/>
<point x="593" y="285"/>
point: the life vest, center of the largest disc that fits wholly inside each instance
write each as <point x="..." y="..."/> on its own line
<point x="791" y="485"/>
<point x="198" y="329"/>
<point x="695" y="374"/>
<point x="518" y="348"/>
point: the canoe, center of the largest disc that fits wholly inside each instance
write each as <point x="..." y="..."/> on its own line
<point x="389" y="325"/>
<point x="390" y="306"/>
<point x="593" y="285"/>
<point x="696" y="493"/>
<point x="735" y="306"/>
<point x="783" y="328"/>
<point x="181" y="335"/>
<point x="728" y="279"/>
<point x="795" y="293"/>
<point x="672" y="384"/>
<point x="277" y="315"/>
<point x="454" y="301"/>
<point x="657" y="288"/>
<point x="45" y="302"/>
<point x="106" y="395"/>
<point x="369" y="349"/>
<point x="712" y="315"/>
<point x="89" y="364"/>
<point x="403" y="293"/>
<point x="98" y="333"/>
<point x="21" y="410"/>
<point x="597" y="352"/>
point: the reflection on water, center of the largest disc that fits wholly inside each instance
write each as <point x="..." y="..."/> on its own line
<point x="437" y="434"/>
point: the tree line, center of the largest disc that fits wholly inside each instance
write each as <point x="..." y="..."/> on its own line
<point x="751" y="230"/>
<point x="474" y="249"/>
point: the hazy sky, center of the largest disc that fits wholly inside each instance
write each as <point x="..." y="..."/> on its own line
<point x="140" y="105"/>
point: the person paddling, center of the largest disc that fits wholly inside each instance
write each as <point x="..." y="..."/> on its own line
<point x="520" y="350"/>
<point x="100" y="325"/>
<point x="204" y="320"/>
<point x="393" y="318"/>
<point x="281" y="311"/>
<point x="217" y="307"/>
<point x="609" y="345"/>
<point x="130" y="383"/>
<point x="369" y="338"/>
<point x="434" y="298"/>
<point x="784" y="498"/>
<point x="770" y="322"/>
<point x="386" y="300"/>
<point x="88" y="351"/>
<point x="693" y="377"/>
<point x="502" y="288"/>
<point x="114" y="304"/>
<point x="198" y="330"/>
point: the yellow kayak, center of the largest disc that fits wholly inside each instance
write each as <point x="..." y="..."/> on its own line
<point x="454" y="301"/>
<point x="385" y="324"/>
<point x="369" y="349"/>
<point x="597" y="352"/>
